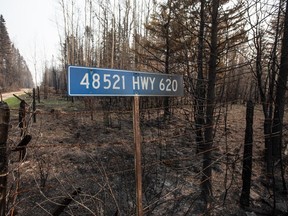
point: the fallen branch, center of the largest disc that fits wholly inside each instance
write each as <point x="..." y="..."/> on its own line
<point x="66" y="202"/>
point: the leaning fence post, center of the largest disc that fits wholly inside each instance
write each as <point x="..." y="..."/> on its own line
<point x="22" y="114"/>
<point x="4" y="125"/>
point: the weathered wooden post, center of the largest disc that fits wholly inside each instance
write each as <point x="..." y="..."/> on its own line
<point x="137" y="143"/>
<point x="34" y="105"/>
<point x="4" y="125"/>
<point x="247" y="156"/>
<point x="22" y="114"/>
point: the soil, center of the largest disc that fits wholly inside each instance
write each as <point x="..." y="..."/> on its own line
<point x="6" y="95"/>
<point x="85" y="160"/>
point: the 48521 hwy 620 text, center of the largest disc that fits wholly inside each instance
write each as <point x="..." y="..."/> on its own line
<point x="84" y="81"/>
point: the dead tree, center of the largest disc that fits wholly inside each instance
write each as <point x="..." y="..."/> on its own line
<point x="277" y="126"/>
<point x="200" y="86"/>
<point x="206" y="183"/>
<point x="247" y="156"/>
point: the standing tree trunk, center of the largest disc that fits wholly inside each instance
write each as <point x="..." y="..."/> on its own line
<point x="206" y="183"/>
<point x="247" y="156"/>
<point x="167" y="58"/>
<point x="4" y="123"/>
<point x="266" y="90"/>
<point x="277" y="125"/>
<point x="200" y="85"/>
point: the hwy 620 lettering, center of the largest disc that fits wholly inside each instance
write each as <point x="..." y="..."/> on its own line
<point x="109" y="81"/>
<point x="100" y="82"/>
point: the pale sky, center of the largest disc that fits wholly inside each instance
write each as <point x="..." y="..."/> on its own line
<point x="32" y="27"/>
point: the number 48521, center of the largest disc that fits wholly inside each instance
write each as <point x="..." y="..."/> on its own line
<point x="107" y="81"/>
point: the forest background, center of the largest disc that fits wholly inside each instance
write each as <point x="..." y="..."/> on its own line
<point x="228" y="52"/>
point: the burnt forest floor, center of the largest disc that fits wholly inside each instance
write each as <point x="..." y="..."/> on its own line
<point x="86" y="160"/>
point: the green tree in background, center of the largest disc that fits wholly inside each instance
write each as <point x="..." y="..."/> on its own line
<point x="14" y="72"/>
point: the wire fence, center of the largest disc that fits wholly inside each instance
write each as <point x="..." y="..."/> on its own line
<point x="81" y="159"/>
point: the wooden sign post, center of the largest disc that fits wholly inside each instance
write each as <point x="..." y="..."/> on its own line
<point x="137" y="143"/>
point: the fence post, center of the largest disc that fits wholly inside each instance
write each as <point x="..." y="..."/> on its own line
<point x="247" y="156"/>
<point x="4" y="125"/>
<point x="34" y="105"/>
<point x="38" y="94"/>
<point x="22" y="114"/>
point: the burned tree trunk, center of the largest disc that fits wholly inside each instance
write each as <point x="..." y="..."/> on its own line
<point x="200" y="85"/>
<point x="4" y="124"/>
<point x="277" y="126"/>
<point x="206" y="183"/>
<point x="247" y="156"/>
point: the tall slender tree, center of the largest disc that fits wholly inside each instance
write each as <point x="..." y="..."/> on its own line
<point x="200" y="84"/>
<point x="277" y="125"/>
<point x="209" y="123"/>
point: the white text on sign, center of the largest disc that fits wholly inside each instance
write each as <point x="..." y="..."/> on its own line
<point x="87" y="81"/>
<point x="117" y="82"/>
<point x="114" y="82"/>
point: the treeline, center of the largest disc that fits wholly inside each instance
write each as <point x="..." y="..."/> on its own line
<point x="168" y="38"/>
<point x="14" y="72"/>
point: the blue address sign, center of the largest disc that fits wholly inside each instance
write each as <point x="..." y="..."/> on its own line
<point x="86" y="81"/>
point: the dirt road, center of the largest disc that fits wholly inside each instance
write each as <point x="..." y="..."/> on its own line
<point x="10" y="94"/>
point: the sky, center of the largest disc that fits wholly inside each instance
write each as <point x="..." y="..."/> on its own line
<point x="32" y="27"/>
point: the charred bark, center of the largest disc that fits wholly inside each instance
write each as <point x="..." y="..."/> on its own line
<point x="247" y="156"/>
<point x="206" y="183"/>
